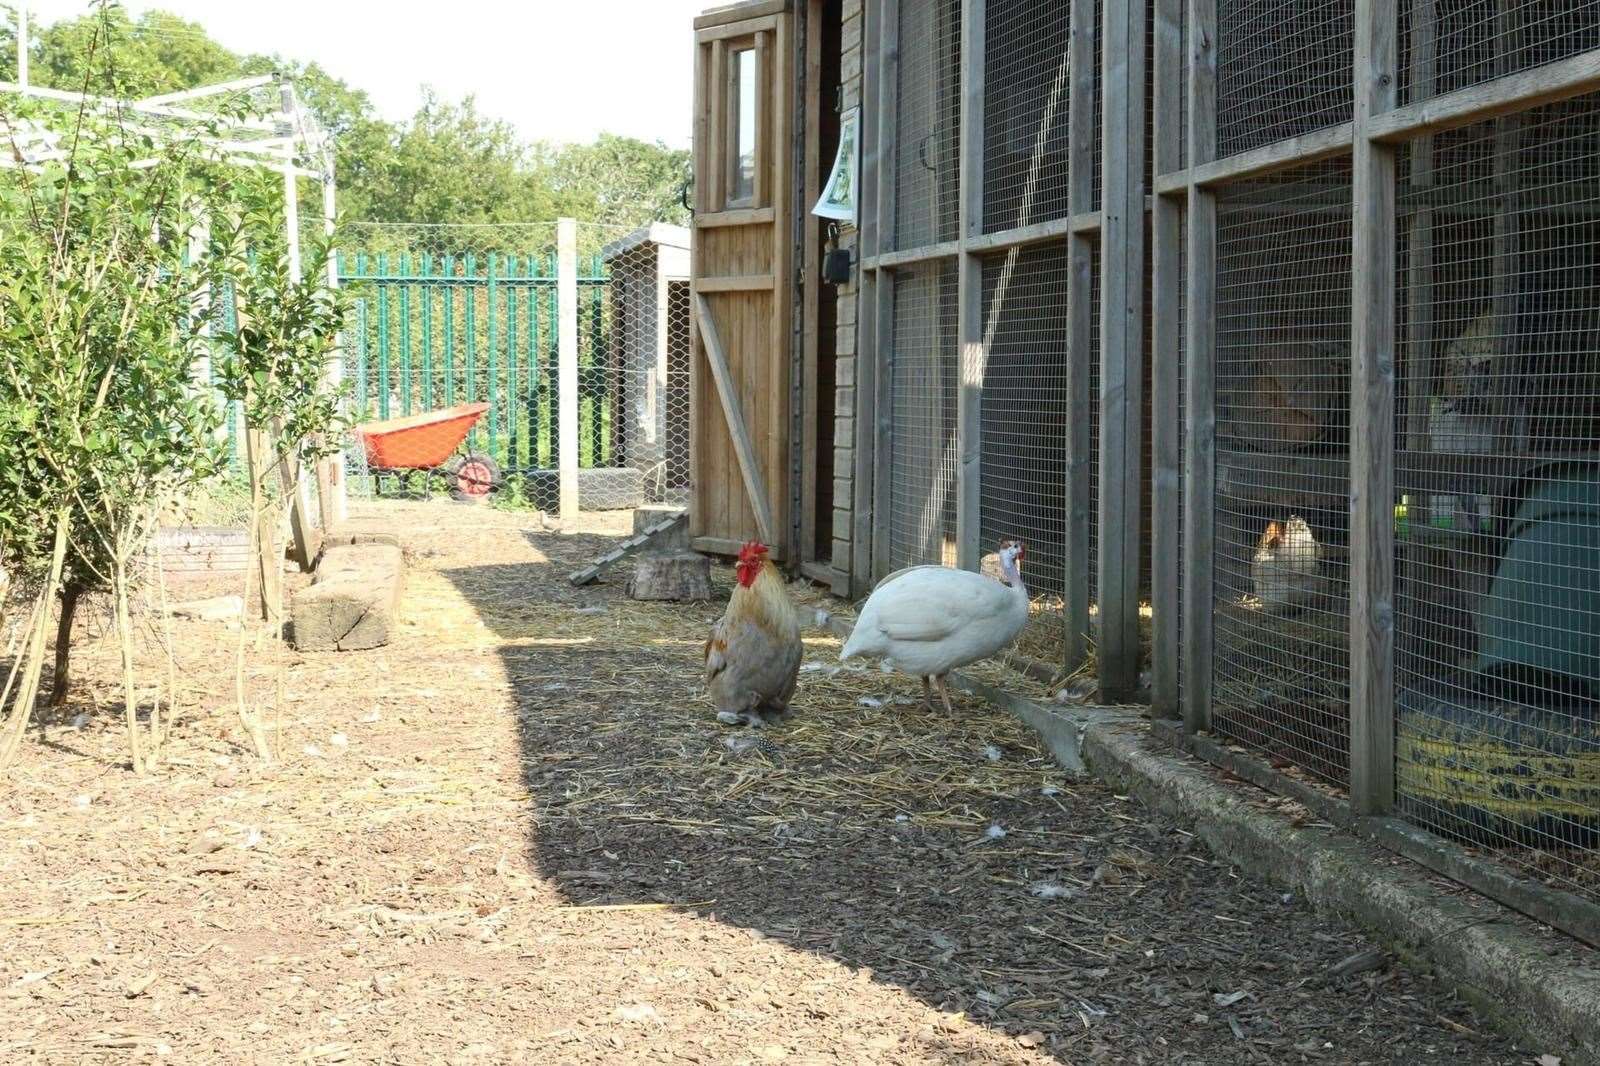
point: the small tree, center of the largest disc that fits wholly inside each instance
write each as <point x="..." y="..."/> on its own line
<point x="99" y="327"/>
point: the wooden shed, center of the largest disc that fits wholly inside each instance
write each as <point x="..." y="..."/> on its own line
<point x="1270" y="327"/>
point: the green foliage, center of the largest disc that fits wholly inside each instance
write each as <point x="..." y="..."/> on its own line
<point x="99" y="327"/>
<point x="275" y="362"/>
<point x="449" y="163"/>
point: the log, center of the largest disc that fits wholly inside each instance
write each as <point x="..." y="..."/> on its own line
<point x="678" y="576"/>
<point x="653" y="514"/>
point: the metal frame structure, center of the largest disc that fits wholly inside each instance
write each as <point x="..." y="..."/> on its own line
<point x="283" y="138"/>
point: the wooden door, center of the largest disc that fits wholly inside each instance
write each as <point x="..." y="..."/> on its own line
<point x="742" y="295"/>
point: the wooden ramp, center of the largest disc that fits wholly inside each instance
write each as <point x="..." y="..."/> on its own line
<point x="627" y="548"/>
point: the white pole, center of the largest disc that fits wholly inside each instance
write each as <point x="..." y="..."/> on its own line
<point x="22" y="42"/>
<point x="337" y="504"/>
<point x="291" y="187"/>
<point x="567" y="362"/>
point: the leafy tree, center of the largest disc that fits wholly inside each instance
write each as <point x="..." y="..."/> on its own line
<point x="448" y="164"/>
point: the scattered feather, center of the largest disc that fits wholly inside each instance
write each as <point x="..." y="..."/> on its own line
<point x="992" y="753"/>
<point x="870" y="701"/>
<point x="1053" y="890"/>
<point x="339" y="740"/>
<point x="80" y="720"/>
<point x="995" y="832"/>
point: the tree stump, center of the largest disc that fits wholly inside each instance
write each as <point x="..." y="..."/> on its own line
<point x="679" y="576"/>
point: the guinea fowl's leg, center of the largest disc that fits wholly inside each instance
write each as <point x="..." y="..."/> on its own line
<point x="927" y="692"/>
<point x="944" y="694"/>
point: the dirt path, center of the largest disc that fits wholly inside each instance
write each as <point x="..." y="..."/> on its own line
<point x="457" y="859"/>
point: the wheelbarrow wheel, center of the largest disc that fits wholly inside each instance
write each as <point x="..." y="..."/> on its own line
<point x="472" y="477"/>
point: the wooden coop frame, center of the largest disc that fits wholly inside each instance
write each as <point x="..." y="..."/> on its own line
<point x="284" y="138"/>
<point x="1088" y="247"/>
<point x="1391" y="138"/>
<point x="1152" y="188"/>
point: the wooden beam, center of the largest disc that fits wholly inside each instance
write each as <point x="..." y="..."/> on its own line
<point x="740" y="216"/>
<point x="735" y="283"/>
<point x="1372" y="359"/>
<point x="777" y="158"/>
<point x="811" y="293"/>
<point x="883" y="423"/>
<point x="888" y="260"/>
<point x="717" y="132"/>
<point x="1260" y="162"/>
<point x="733" y="13"/>
<point x="744" y="449"/>
<point x="735" y="33"/>
<point x="1200" y="363"/>
<point x="974" y="354"/>
<point x="1082" y="148"/>
<point x="1036" y="233"/>
<point x="700" y="487"/>
<point x="1121" y="347"/>
<point x="1166" y="383"/>
<point x="866" y="307"/>
<point x="1522" y="91"/>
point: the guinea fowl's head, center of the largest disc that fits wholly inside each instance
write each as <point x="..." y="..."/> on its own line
<point x="1011" y="555"/>
<point x="751" y="558"/>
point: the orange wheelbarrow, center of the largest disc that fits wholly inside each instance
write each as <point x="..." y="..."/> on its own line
<point x="428" y="442"/>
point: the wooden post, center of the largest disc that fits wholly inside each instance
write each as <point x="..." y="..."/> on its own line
<point x="1200" y="350"/>
<point x="567" y="363"/>
<point x="1121" y="347"/>
<point x="1080" y="335"/>
<point x="969" y="298"/>
<point x="867" y="350"/>
<point x="1166" y="224"/>
<point x="883" y="369"/>
<point x="1372" y="422"/>
<point x="1420" y="316"/>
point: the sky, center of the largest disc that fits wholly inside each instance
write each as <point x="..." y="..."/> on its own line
<point x="559" y="70"/>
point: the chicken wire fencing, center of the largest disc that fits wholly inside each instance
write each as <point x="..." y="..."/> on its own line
<point x="1025" y="418"/>
<point x="927" y="161"/>
<point x="1495" y="475"/>
<point x="456" y="362"/>
<point x="1036" y="398"/>
<point x="1497" y="443"/>
<point x="924" y="378"/>
<point x="1281" y="668"/>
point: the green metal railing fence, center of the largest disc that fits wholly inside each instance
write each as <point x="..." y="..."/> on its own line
<point x="430" y="331"/>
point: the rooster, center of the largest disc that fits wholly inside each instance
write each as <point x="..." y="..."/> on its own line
<point x="753" y="653"/>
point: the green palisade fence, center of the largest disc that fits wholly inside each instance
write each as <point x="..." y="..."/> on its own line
<point x="433" y="331"/>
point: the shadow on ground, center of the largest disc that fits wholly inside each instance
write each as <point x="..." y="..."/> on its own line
<point x="947" y="856"/>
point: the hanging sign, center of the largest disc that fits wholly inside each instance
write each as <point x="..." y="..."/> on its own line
<point x="839" y="195"/>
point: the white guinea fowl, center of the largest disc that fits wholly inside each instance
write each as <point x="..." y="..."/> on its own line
<point x="929" y="620"/>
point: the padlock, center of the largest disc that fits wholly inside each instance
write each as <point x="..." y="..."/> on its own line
<point x="836" y="261"/>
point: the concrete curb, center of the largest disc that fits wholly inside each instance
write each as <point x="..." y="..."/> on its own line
<point x="1539" y="986"/>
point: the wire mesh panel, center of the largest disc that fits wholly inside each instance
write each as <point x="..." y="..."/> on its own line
<point x="1283" y="69"/>
<point x="928" y="134"/>
<point x="1281" y="668"/>
<point x="924" y="377"/>
<point x="633" y="364"/>
<point x="1026" y="81"/>
<point x="1451" y="44"/>
<point x="1025" y="422"/>
<point x="1498" y="456"/>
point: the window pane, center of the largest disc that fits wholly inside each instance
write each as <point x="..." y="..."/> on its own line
<point x="744" y="145"/>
